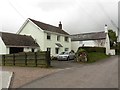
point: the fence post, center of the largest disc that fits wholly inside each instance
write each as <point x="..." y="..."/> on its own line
<point x="3" y="58"/>
<point x="36" y="59"/>
<point x="48" y="59"/>
<point x="14" y="59"/>
<point x="25" y="59"/>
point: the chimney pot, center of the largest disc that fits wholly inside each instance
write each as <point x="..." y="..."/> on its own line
<point x="106" y="25"/>
<point x="60" y="25"/>
<point x="106" y="29"/>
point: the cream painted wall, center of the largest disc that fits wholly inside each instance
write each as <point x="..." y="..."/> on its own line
<point x="94" y="43"/>
<point x="30" y="49"/>
<point x="75" y="45"/>
<point x="52" y="43"/>
<point x="27" y="50"/>
<point x="89" y="43"/>
<point x="3" y="48"/>
<point x="38" y="35"/>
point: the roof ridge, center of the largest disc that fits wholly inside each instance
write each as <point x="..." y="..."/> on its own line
<point x="44" y="23"/>
<point x="14" y="34"/>
<point x="88" y="33"/>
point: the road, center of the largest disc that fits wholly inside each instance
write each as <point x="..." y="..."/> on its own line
<point x="102" y="74"/>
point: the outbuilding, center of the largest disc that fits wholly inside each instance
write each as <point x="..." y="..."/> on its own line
<point x="14" y="43"/>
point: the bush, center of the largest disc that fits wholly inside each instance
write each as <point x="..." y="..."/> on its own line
<point x="81" y="55"/>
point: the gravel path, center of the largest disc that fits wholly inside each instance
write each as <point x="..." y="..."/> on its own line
<point x="23" y="75"/>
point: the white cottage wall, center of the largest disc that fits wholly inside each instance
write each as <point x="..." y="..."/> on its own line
<point x="52" y="43"/>
<point x="36" y="33"/>
<point x="3" y="48"/>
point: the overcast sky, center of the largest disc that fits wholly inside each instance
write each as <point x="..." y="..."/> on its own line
<point x="77" y="16"/>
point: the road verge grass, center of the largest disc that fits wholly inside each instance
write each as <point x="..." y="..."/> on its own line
<point x="96" y="56"/>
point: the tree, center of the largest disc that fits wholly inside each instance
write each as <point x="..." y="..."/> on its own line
<point x="113" y="37"/>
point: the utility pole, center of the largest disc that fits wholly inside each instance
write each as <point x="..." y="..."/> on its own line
<point x="118" y="21"/>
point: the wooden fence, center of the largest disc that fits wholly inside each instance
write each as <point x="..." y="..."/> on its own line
<point x="27" y="59"/>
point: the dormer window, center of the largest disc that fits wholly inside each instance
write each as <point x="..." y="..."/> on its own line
<point x="48" y="36"/>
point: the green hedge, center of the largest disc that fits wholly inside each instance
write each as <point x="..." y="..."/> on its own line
<point x="96" y="56"/>
<point x="93" y="49"/>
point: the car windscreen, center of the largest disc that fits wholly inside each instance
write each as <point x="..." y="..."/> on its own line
<point x="62" y="53"/>
<point x="66" y="53"/>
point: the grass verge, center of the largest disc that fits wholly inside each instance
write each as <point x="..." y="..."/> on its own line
<point x="95" y="56"/>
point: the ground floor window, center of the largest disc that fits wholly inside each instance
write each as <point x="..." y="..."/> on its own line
<point x="66" y="49"/>
<point x="49" y="49"/>
<point x="56" y="50"/>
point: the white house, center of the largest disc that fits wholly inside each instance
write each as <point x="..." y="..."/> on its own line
<point x="49" y="37"/>
<point x="13" y="43"/>
<point x="95" y="39"/>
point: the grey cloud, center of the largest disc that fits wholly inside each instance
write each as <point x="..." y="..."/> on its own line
<point x="54" y="5"/>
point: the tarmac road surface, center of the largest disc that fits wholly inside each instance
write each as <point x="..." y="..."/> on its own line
<point x="102" y="74"/>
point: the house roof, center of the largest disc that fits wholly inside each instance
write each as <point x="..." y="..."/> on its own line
<point x="48" y="27"/>
<point x="15" y="40"/>
<point x="88" y="36"/>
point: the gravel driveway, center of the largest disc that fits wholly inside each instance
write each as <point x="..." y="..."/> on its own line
<point x="23" y="75"/>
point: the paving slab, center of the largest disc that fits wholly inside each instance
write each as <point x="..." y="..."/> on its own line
<point x="5" y="79"/>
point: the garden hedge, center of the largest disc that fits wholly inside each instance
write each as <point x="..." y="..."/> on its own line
<point x="93" y="49"/>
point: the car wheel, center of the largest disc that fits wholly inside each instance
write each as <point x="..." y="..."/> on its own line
<point x="68" y="59"/>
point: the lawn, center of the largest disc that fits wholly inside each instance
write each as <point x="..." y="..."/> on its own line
<point x="95" y="56"/>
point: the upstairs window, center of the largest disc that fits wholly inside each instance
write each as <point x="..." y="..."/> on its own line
<point x="58" y="37"/>
<point x="48" y="36"/>
<point x="66" y="39"/>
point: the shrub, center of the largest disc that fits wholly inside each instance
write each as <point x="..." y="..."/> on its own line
<point x="81" y="55"/>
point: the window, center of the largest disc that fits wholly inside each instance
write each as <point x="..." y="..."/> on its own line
<point x="66" y="39"/>
<point x="32" y="49"/>
<point x="66" y="49"/>
<point x="49" y="49"/>
<point x="48" y="36"/>
<point x="58" y="37"/>
<point x="56" y="50"/>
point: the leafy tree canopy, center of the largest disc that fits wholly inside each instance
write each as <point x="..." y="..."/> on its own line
<point x="113" y="37"/>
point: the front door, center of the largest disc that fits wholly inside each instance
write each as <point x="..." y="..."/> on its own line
<point x="56" y="50"/>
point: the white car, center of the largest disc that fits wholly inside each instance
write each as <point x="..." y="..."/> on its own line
<point x="66" y="56"/>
